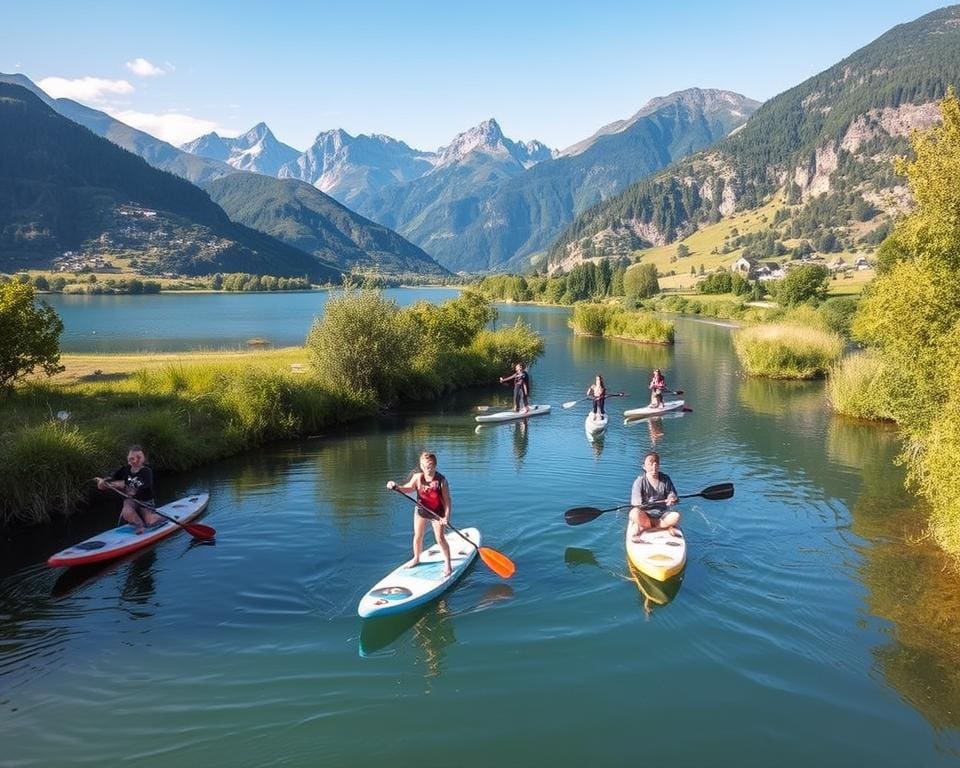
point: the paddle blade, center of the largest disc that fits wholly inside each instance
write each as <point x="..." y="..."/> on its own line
<point x="570" y="403"/>
<point x="200" y="531"/>
<point x="677" y="391"/>
<point x="685" y="409"/>
<point x="581" y="515"/>
<point x="482" y="408"/>
<point x="497" y="562"/>
<point x="717" y="492"/>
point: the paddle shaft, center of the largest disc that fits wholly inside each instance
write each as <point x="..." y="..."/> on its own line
<point x="579" y="515"/>
<point x="571" y="403"/>
<point x="197" y="531"/>
<point x="435" y="516"/>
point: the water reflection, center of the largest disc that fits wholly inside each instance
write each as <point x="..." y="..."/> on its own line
<point x="139" y="585"/>
<point x="656" y="593"/>
<point x="773" y="398"/>
<point x="596" y="442"/>
<point x="433" y="633"/>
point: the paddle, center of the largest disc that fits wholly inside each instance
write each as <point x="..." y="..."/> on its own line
<point x="571" y="403"/>
<point x="496" y="561"/>
<point x="581" y="515"/>
<point x="197" y="530"/>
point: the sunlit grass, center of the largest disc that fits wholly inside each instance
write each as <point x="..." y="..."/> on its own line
<point x="784" y="351"/>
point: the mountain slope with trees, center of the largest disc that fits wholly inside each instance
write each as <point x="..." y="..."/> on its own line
<point x="304" y="217"/>
<point x="480" y="215"/>
<point x="62" y="188"/>
<point x="826" y="143"/>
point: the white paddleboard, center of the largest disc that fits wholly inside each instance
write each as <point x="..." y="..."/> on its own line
<point x="593" y="426"/>
<point x="491" y="418"/>
<point x="404" y="588"/>
<point x="124" y="539"/>
<point x="659" y="554"/>
<point x="670" y="405"/>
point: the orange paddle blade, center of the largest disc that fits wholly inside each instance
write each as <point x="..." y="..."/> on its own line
<point x="497" y="562"/>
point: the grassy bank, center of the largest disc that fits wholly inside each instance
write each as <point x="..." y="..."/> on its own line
<point x="616" y="322"/>
<point x="786" y="351"/>
<point x="189" y="409"/>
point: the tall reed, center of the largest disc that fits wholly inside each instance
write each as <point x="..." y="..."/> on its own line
<point x="784" y="351"/>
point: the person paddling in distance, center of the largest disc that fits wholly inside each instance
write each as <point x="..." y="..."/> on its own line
<point x="135" y="479"/>
<point x="433" y="493"/>
<point x="652" y="486"/>
<point x="657" y="385"/>
<point x="521" y="387"/>
<point x="598" y="392"/>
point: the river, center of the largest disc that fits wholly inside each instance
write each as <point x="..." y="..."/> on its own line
<point x="813" y="624"/>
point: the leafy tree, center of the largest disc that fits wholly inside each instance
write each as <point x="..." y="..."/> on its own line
<point x="808" y="281"/>
<point x="640" y="282"/>
<point x="683" y="250"/>
<point x="29" y="335"/>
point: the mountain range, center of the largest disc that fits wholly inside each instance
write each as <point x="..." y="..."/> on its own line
<point x="62" y="188"/>
<point x="825" y="147"/>
<point x="486" y="202"/>
<point x="255" y="149"/>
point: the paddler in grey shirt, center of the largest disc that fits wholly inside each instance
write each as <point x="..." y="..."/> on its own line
<point x="653" y="486"/>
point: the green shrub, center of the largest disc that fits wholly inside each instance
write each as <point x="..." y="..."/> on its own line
<point x="592" y="319"/>
<point x="857" y="387"/>
<point x="361" y="344"/>
<point x="784" y="351"/>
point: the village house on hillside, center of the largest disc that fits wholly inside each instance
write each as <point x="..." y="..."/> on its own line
<point x="758" y="270"/>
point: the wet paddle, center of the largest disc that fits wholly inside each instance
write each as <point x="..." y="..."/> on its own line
<point x="571" y="403"/>
<point x="581" y="515"/>
<point x="496" y="561"/>
<point x="197" y="530"/>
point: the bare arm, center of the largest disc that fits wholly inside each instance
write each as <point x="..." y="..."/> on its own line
<point x="407" y="486"/>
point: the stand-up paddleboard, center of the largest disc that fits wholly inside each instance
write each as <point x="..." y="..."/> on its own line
<point x="659" y="554"/>
<point x="594" y="426"/>
<point x="492" y="418"/>
<point x="670" y="405"/>
<point x="405" y="588"/>
<point x="124" y="539"/>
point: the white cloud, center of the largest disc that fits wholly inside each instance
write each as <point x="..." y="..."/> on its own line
<point x="170" y="126"/>
<point x="143" y="68"/>
<point x="84" y="88"/>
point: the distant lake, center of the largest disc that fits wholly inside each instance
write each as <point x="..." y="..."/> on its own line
<point x="175" y="322"/>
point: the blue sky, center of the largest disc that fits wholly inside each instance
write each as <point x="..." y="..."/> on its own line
<point x="421" y="71"/>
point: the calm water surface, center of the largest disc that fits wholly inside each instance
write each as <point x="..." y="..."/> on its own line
<point x="807" y="629"/>
<point x="178" y="321"/>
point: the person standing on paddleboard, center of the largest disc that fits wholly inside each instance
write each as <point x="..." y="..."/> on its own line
<point x="135" y="480"/>
<point x="653" y="486"/>
<point x="521" y="387"/>
<point x="657" y="385"/>
<point x="598" y="392"/>
<point x="433" y="492"/>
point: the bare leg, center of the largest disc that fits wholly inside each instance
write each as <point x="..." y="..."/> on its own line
<point x="419" y="528"/>
<point x="444" y="546"/>
<point x="129" y="515"/>
<point x="669" y="522"/>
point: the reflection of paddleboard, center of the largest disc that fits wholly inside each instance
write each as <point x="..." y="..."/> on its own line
<point x="657" y="592"/>
<point x="659" y="554"/>
<point x="594" y="426"/>
<point x="404" y="588"/>
<point x="670" y="405"/>
<point x="124" y="539"/>
<point x="492" y="418"/>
